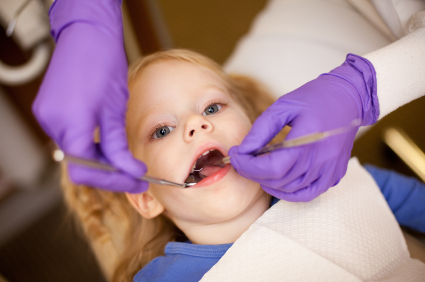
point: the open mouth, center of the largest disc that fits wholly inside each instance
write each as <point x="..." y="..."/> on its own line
<point x="204" y="166"/>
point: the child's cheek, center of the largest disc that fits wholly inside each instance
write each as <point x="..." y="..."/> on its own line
<point x="239" y="135"/>
<point x="238" y="128"/>
<point x="160" y="158"/>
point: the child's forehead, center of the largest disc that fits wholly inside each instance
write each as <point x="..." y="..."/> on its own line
<point x="176" y="80"/>
<point x="179" y="71"/>
<point x="173" y="86"/>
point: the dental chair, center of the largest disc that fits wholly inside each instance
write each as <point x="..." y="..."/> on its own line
<point x="290" y="43"/>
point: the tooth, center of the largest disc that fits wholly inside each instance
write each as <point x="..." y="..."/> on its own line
<point x="193" y="168"/>
<point x="203" y="154"/>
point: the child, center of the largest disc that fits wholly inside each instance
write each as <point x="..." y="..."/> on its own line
<point x="183" y="110"/>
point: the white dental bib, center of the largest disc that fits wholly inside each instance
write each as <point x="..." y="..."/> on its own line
<point x="347" y="234"/>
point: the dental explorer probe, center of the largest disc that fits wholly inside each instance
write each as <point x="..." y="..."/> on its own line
<point x="303" y="140"/>
<point x="59" y="156"/>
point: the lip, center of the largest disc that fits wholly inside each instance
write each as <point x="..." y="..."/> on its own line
<point x="213" y="177"/>
<point x="201" y="149"/>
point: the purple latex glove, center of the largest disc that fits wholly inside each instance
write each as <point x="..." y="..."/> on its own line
<point x="86" y="87"/>
<point x="330" y="101"/>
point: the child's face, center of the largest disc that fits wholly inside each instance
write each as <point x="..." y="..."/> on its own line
<point x="177" y="111"/>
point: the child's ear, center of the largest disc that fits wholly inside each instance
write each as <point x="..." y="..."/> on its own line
<point x="146" y="204"/>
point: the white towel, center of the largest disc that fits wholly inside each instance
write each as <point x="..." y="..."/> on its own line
<point x="347" y="234"/>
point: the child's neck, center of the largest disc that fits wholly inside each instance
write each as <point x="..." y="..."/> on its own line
<point x="231" y="230"/>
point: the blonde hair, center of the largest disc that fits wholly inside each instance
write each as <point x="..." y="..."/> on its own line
<point x="122" y="240"/>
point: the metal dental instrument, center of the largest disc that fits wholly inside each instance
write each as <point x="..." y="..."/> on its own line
<point x="59" y="156"/>
<point x="303" y="140"/>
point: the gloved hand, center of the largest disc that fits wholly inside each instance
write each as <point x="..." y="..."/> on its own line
<point x="85" y="87"/>
<point x="330" y="101"/>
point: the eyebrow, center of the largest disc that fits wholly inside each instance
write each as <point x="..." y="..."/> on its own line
<point x="211" y="86"/>
<point x="144" y="117"/>
<point x="152" y="110"/>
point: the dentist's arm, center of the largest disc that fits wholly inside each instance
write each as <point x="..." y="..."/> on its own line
<point x="85" y="88"/>
<point x="400" y="71"/>
<point x="333" y="100"/>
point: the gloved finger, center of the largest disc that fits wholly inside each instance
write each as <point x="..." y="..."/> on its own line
<point x="301" y="175"/>
<point x="115" y="146"/>
<point x="296" y="184"/>
<point x="313" y="191"/>
<point x="113" y="181"/>
<point x="282" y="195"/>
<point x="305" y="194"/>
<point x="265" y="128"/>
<point x="328" y="163"/>
<point x="276" y="165"/>
<point x="301" y="126"/>
<point x="79" y="142"/>
<point x="312" y="175"/>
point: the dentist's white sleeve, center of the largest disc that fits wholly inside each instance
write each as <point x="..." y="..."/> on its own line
<point x="400" y="71"/>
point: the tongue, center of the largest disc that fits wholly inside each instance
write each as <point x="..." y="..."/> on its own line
<point x="208" y="159"/>
<point x="205" y="167"/>
<point x="209" y="170"/>
<point x="206" y="171"/>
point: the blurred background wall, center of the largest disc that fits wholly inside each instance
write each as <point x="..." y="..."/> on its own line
<point x="37" y="240"/>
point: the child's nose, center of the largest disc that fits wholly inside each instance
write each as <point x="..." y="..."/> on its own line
<point x="197" y="125"/>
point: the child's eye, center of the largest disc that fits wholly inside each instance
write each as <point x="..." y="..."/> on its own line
<point x="212" y="109"/>
<point x="162" y="132"/>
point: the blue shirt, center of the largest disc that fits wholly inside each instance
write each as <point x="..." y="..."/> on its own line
<point x="184" y="261"/>
<point x="405" y="196"/>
